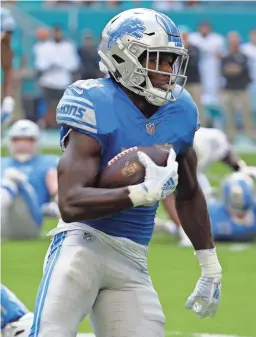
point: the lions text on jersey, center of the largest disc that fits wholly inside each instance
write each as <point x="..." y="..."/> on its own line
<point x="100" y="109"/>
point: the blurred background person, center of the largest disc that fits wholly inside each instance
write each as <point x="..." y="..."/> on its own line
<point x="235" y="71"/>
<point x="233" y="217"/>
<point x="89" y="58"/>
<point x="193" y="84"/>
<point x="249" y="49"/>
<point x="211" y="46"/>
<point x="40" y="53"/>
<point x="55" y="68"/>
<point x="7" y="92"/>
<point x="211" y="146"/>
<point x="29" y="183"/>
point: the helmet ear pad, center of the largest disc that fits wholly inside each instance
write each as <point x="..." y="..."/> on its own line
<point x="138" y="79"/>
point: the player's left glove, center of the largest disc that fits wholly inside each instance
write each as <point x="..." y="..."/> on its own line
<point x="249" y="170"/>
<point x="206" y="297"/>
<point x="7" y="109"/>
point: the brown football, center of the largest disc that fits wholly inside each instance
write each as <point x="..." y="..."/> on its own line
<point x="125" y="168"/>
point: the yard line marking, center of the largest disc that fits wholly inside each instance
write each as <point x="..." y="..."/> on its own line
<point x="175" y="333"/>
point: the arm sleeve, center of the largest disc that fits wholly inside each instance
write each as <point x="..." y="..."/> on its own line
<point x="76" y="111"/>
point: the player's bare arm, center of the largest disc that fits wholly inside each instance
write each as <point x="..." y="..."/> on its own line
<point x="191" y="204"/>
<point x="233" y="161"/>
<point x="78" y="171"/>
<point x="6" y="63"/>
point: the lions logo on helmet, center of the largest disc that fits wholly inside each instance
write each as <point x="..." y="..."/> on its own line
<point x="132" y="27"/>
<point x="127" y="41"/>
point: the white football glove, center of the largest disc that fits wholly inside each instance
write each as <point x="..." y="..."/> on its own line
<point x="15" y="176"/>
<point x="159" y="181"/>
<point x="249" y="170"/>
<point x="51" y="209"/>
<point x="7" y="109"/>
<point x="206" y="297"/>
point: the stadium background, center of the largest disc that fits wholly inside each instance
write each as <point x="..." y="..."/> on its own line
<point x="174" y="270"/>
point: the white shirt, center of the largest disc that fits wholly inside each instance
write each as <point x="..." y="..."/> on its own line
<point x="56" y="61"/>
<point x="249" y="49"/>
<point x="211" y="145"/>
<point x="210" y="46"/>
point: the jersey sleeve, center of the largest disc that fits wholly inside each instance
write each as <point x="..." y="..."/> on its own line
<point x="77" y="111"/>
<point x="12" y="308"/>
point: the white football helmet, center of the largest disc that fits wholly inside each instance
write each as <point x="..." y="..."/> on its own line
<point x="18" y="135"/>
<point x="138" y="32"/>
<point x="20" y="328"/>
<point x="238" y="194"/>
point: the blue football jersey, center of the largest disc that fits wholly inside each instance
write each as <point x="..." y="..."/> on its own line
<point x="36" y="170"/>
<point x="101" y="109"/>
<point x="12" y="308"/>
<point x="225" y="228"/>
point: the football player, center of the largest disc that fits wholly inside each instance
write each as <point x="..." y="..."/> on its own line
<point x="234" y="217"/>
<point x="16" y="320"/>
<point x="7" y="28"/>
<point x="28" y="185"/>
<point x="97" y="262"/>
<point x="211" y="146"/>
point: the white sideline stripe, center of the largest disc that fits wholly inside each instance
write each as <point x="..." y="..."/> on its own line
<point x="169" y="333"/>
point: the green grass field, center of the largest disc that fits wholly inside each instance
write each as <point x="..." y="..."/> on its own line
<point x="174" y="271"/>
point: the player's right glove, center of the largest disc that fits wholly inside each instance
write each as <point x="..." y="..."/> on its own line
<point x="15" y="175"/>
<point x="51" y="209"/>
<point x="7" y="109"/>
<point x="206" y="296"/>
<point x="159" y="181"/>
<point x="12" y="179"/>
<point x="249" y="170"/>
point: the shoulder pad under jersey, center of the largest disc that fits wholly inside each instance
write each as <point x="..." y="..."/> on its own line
<point x="87" y="107"/>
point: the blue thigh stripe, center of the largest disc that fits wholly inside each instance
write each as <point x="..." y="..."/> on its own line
<point x="42" y="293"/>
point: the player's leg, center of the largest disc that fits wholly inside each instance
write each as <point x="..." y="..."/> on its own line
<point x="21" y="223"/>
<point x="69" y="286"/>
<point x="246" y="110"/>
<point x="229" y="99"/>
<point x="128" y="312"/>
<point x="7" y="198"/>
<point x="22" y="216"/>
<point x="127" y="304"/>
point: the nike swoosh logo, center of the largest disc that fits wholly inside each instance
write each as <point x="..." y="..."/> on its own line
<point x="79" y="91"/>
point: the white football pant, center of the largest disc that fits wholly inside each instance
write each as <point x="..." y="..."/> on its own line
<point x="88" y="272"/>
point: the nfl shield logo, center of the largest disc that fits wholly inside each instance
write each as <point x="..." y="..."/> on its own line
<point x="150" y="127"/>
